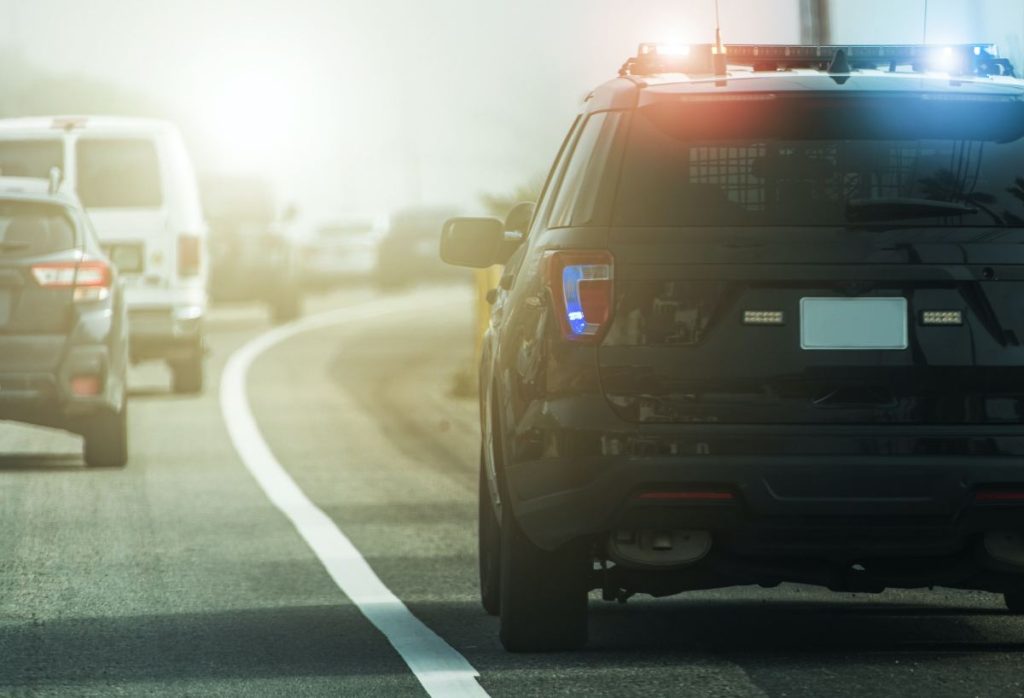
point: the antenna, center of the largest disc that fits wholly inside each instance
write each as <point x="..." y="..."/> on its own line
<point x="718" y="28"/>
<point x="719" y="51"/>
<point x="924" y="31"/>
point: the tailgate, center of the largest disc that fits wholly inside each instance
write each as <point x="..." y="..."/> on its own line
<point x="798" y="337"/>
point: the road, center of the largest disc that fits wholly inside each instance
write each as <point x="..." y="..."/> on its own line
<point x="178" y="576"/>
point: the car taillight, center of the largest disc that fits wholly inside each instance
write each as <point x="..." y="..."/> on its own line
<point x="90" y="279"/>
<point x="189" y="255"/>
<point x="581" y="288"/>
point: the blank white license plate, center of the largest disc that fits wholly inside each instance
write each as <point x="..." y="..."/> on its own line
<point x="853" y="323"/>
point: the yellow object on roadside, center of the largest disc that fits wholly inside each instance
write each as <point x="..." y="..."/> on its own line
<point x="486" y="279"/>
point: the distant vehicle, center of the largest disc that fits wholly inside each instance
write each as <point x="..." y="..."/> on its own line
<point x="340" y="252"/>
<point x="136" y="181"/>
<point x="408" y="252"/>
<point x="765" y="327"/>
<point x="252" y="256"/>
<point x="63" y="322"/>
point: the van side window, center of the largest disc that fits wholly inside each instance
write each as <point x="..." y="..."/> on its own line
<point x="118" y="173"/>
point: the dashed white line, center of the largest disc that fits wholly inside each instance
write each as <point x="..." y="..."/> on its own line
<point x="441" y="669"/>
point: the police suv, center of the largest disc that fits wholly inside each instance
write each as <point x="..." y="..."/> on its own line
<point x="765" y="325"/>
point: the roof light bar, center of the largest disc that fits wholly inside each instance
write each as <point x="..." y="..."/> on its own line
<point x="981" y="60"/>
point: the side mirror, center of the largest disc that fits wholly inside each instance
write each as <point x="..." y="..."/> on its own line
<point x="472" y="242"/>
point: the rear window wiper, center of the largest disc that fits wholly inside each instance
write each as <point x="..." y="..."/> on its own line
<point x="904" y="207"/>
<point x="12" y="246"/>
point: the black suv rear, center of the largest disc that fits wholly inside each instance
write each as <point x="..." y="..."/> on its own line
<point x="765" y="327"/>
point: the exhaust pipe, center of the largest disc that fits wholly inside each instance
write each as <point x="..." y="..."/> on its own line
<point x="658" y="548"/>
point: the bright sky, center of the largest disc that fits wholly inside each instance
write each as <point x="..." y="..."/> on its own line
<point x="362" y="106"/>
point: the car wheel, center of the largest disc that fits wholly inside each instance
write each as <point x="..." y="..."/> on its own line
<point x="1014" y="601"/>
<point x="187" y="375"/>
<point x="489" y="543"/>
<point x="543" y="593"/>
<point x="106" y="439"/>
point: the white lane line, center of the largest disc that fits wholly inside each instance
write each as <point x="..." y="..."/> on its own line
<point x="437" y="665"/>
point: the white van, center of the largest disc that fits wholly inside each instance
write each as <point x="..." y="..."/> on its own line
<point x="136" y="181"/>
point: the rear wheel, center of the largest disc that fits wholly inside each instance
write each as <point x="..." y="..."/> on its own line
<point x="489" y="540"/>
<point x="106" y="439"/>
<point x="187" y="374"/>
<point x="1014" y="601"/>
<point x="543" y="594"/>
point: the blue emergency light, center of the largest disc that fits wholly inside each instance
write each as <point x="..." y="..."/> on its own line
<point x="980" y="60"/>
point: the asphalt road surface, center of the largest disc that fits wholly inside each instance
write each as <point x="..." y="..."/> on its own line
<point x="179" y="576"/>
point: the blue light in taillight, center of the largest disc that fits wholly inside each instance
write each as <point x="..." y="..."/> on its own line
<point x="575" y="279"/>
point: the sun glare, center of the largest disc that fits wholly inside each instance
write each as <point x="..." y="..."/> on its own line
<point x="252" y="113"/>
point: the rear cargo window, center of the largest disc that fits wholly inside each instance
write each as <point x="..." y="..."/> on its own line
<point x="30" y="158"/>
<point x="118" y="173"/>
<point x="922" y="160"/>
<point x="30" y="229"/>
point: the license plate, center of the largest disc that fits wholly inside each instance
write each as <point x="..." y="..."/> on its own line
<point x="127" y="258"/>
<point x="853" y="323"/>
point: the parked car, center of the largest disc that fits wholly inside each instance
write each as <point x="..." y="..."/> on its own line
<point x="136" y="181"/>
<point x="63" y="322"/>
<point x="408" y="252"/>
<point x="765" y="327"/>
<point x="253" y="258"/>
<point x="340" y="252"/>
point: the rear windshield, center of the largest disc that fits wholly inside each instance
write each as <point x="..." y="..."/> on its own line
<point x="776" y="160"/>
<point x="419" y="224"/>
<point x="118" y="173"/>
<point x="31" y="158"/>
<point x="30" y="229"/>
<point x="238" y="199"/>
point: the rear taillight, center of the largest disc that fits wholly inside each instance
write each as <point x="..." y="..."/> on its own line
<point x="90" y="279"/>
<point x="581" y="288"/>
<point x="189" y="255"/>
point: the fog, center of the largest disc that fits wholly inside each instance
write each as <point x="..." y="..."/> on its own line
<point x="366" y="106"/>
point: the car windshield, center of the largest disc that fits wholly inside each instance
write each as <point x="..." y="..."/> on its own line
<point x="341" y="230"/>
<point x="775" y="160"/>
<point x="118" y="173"/>
<point x="30" y="158"/>
<point x="419" y="223"/>
<point x="29" y="229"/>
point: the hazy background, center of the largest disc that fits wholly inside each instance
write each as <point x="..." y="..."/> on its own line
<point x="364" y="106"/>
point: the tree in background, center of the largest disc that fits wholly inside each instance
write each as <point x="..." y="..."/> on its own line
<point x="25" y="90"/>
<point x="498" y="205"/>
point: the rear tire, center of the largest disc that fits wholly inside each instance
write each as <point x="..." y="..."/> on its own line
<point x="187" y="375"/>
<point x="1014" y="601"/>
<point x="543" y="594"/>
<point x="106" y="439"/>
<point x="489" y="544"/>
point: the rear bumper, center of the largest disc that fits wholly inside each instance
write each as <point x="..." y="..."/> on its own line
<point x="165" y="332"/>
<point x="45" y="397"/>
<point x="837" y="507"/>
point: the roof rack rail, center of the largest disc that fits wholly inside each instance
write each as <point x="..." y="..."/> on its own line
<point x="980" y="60"/>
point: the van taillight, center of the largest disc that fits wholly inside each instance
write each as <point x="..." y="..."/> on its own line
<point x="89" y="279"/>
<point x="189" y="255"/>
<point x="581" y="288"/>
